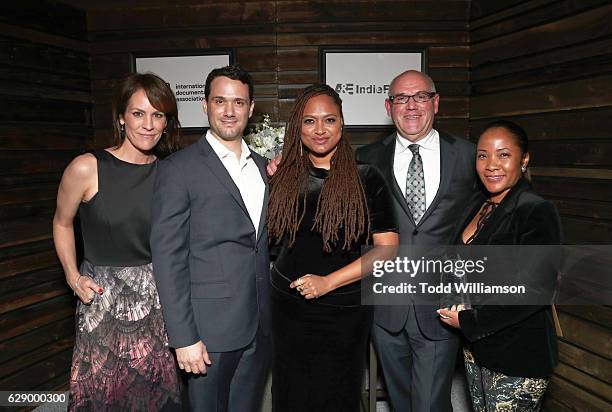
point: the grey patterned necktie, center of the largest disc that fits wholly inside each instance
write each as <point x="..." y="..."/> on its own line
<point x="415" y="184"/>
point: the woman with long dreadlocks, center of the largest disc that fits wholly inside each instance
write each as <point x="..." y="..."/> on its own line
<point x="323" y="208"/>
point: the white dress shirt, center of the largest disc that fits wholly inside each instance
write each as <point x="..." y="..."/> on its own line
<point x="245" y="174"/>
<point x="429" y="149"/>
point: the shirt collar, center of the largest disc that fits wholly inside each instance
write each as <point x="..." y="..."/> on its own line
<point x="429" y="142"/>
<point x="223" y="152"/>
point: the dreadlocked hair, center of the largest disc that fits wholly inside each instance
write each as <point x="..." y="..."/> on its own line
<point x="341" y="204"/>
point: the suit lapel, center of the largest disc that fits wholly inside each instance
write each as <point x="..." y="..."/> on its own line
<point x="505" y="208"/>
<point x="448" y="156"/>
<point x="261" y="165"/>
<point x="386" y="168"/>
<point x="212" y="161"/>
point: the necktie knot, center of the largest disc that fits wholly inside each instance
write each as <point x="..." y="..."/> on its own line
<point x="414" y="148"/>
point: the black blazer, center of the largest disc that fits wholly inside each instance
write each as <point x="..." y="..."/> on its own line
<point x="514" y="340"/>
<point x="436" y="227"/>
<point x="211" y="268"/>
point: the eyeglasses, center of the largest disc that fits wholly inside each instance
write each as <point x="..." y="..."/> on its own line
<point x="419" y="97"/>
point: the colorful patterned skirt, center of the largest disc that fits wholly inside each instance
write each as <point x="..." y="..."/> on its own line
<point x="121" y="358"/>
<point x="495" y="392"/>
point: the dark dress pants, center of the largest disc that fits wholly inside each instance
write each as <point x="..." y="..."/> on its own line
<point x="418" y="371"/>
<point x="235" y="381"/>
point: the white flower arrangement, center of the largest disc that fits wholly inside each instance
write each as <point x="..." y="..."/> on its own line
<point x="266" y="140"/>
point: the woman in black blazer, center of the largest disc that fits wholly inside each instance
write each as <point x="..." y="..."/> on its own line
<point x="511" y="351"/>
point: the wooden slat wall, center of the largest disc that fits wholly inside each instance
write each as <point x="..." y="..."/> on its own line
<point x="547" y="64"/>
<point x="45" y="111"/>
<point x="278" y="41"/>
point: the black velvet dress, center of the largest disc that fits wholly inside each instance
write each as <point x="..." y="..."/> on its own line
<point x="320" y="344"/>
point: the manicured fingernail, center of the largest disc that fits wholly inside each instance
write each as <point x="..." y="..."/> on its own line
<point x="100" y="291"/>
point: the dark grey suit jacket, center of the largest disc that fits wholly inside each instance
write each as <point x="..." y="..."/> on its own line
<point x="457" y="184"/>
<point x="210" y="268"/>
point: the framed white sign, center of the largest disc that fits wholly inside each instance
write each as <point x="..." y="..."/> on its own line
<point x="361" y="78"/>
<point x="186" y="75"/>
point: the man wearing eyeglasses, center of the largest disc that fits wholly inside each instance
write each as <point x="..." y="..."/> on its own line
<point x="432" y="176"/>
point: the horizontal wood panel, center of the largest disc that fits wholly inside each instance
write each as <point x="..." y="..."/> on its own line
<point x="583" y="208"/>
<point x="586" y="382"/>
<point x="44" y="77"/>
<point x="572" y="172"/>
<point x="10" y="212"/>
<point x="31" y="248"/>
<point x="449" y="74"/>
<point x="204" y="40"/>
<point x="575" y="29"/>
<point x="37" y="338"/>
<point x="571" y="188"/>
<point x="591" y="123"/>
<point x="550" y="404"/>
<point x="586" y="231"/>
<point x="576" y="69"/>
<point x="32" y="277"/>
<point x="30" y="14"/>
<point x="39" y="373"/>
<point x="542" y="60"/>
<point x="578" y="94"/>
<point x="444" y="56"/>
<point x="370" y="26"/>
<point x="35" y="358"/>
<point x="24" y="320"/>
<point x="33" y="161"/>
<point x="482" y="8"/>
<point x="602" y="315"/>
<point x="588" y="362"/>
<point x="19" y="232"/>
<point x="379" y="38"/>
<point x="110" y="65"/>
<point x="298" y="58"/>
<point x="257" y="58"/>
<point x="28" y="91"/>
<point x="26" y="55"/>
<point x="385" y="10"/>
<point x="298" y="77"/>
<point x="43" y="110"/>
<point x="586" y="335"/>
<point x="571" y="153"/>
<point x="528" y="14"/>
<point x="160" y="17"/>
<point x="574" y="397"/>
<point x="35" y="294"/>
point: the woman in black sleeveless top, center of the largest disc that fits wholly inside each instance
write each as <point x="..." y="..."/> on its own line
<point x="121" y="358"/>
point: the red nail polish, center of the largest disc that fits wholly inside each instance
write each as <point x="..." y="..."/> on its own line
<point x="100" y="291"/>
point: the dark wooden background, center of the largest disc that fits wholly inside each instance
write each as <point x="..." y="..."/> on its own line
<point x="543" y="63"/>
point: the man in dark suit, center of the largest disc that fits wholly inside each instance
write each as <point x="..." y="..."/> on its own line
<point x="210" y="253"/>
<point x="432" y="176"/>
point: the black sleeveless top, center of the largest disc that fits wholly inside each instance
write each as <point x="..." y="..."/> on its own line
<point x="116" y="222"/>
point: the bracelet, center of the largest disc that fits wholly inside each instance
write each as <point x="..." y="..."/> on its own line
<point x="76" y="285"/>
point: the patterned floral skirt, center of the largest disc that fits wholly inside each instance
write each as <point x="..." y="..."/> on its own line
<point x="495" y="392"/>
<point x="121" y="358"/>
